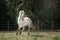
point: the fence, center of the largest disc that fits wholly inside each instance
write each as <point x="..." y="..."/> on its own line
<point x="47" y="26"/>
<point x="7" y="24"/>
<point x="12" y="25"/>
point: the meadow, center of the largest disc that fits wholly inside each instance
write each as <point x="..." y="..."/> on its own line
<point x="11" y="35"/>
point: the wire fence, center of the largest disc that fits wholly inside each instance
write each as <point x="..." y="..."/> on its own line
<point x="7" y="24"/>
<point x="12" y="25"/>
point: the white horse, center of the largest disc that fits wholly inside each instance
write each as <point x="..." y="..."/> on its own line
<point x="22" y="22"/>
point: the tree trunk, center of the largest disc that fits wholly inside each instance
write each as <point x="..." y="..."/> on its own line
<point x="38" y="24"/>
<point x="8" y="24"/>
<point x="52" y="24"/>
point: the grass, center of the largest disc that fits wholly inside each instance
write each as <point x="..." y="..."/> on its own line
<point x="11" y="35"/>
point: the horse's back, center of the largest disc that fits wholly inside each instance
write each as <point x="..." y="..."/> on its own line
<point x="27" y="20"/>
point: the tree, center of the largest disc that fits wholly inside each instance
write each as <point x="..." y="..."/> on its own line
<point x="45" y="11"/>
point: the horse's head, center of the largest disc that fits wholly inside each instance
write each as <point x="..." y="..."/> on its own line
<point x="21" y="13"/>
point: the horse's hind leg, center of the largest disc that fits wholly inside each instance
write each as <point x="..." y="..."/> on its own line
<point x="28" y="30"/>
<point x="29" y="27"/>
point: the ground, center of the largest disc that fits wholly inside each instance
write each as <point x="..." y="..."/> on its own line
<point x="11" y="35"/>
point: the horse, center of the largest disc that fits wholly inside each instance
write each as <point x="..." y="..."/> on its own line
<point x="22" y="22"/>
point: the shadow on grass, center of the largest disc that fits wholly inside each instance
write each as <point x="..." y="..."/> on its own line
<point x="37" y="35"/>
<point x="56" y="38"/>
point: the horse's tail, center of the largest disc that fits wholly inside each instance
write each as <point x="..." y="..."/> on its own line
<point x="33" y="27"/>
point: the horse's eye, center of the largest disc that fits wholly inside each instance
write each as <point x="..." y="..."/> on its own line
<point x="22" y="12"/>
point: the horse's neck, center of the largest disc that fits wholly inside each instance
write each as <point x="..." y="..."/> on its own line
<point x="20" y="18"/>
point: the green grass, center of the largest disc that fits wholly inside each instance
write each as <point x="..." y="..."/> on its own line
<point x="11" y="35"/>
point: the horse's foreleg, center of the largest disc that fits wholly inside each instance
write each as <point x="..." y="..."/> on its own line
<point x="18" y="31"/>
<point x="23" y="29"/>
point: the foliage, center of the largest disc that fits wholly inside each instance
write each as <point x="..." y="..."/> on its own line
<point x="46" y="11"/>
<point x="3" y="7"/>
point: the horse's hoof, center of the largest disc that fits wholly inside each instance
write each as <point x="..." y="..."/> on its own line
<point x="16" y="34"/>
<point x="28" y="33"/>
<point x="20" y="33"/>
